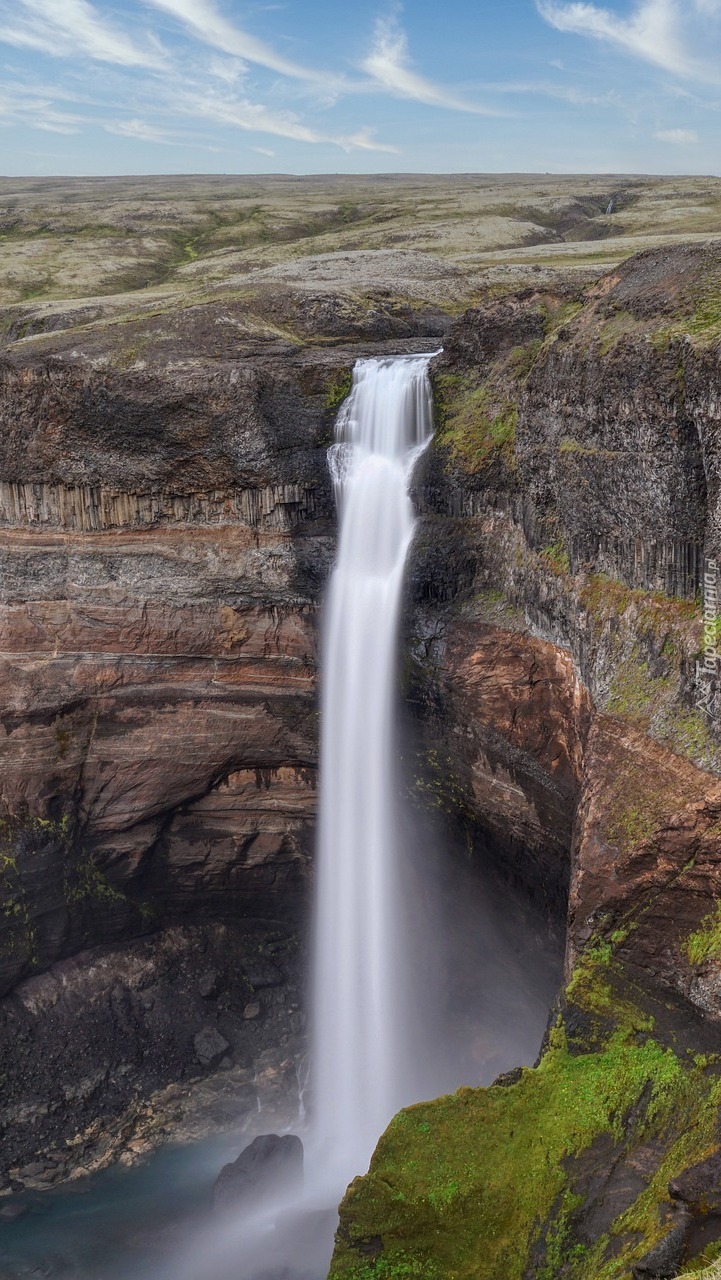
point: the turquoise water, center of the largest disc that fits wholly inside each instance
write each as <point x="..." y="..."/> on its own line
<point x="119" y="1223"/>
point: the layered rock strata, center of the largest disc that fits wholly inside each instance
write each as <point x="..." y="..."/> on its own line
<point x="164" y="537"/>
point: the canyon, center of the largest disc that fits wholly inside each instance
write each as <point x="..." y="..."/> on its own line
<point x="166" y="532"/>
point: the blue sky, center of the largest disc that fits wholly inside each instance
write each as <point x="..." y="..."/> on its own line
<point x="318" y="86"/>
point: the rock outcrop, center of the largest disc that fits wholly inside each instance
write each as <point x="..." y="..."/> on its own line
<point x="272" y="1166"/>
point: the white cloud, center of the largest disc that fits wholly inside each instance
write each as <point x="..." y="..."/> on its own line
<point x="388" y="65"/>
<point x="680" y="137"/>
<point x="364" y="140"/>
<point x="38" y="112"/>
<point x="229" y="70"/>
<point x="264" y="151"/>
<point x="552" y="89"/>
<point x="256" y="118"/>
<point x="207" y="23"/>
<point x="66" y="28"/>
<point x="652" y="32"/>
<point x="251" y="116"/>
<point x="138" y="129"/>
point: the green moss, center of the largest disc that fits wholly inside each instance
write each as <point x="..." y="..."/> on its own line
<point x="523" y="358"/>
<point x="338" y="390"/>
<point x="556" y="558"/>
<point x="705" y="943"/>
<point x="604" y="597"/>
<point x="86" y="882"/>
<point x="635" y="806"/>
<point x="700" y="320"/>
<point x="686" y="731"/>
<point x="706" y="1267"/>
<point x="475" y="423"/>
<point x="614" y="329"/>
<point x="558" y="315"/>
<point x="706" y="319"/>
<point x="438" y="787"/>
<point x="465" y="1187"/>
<point x="633" y="691"/>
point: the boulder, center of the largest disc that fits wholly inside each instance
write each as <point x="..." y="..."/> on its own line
<point x="271" y="1165"/>
<point x="210" y="1047"/>
<point x="664" y="1260"/>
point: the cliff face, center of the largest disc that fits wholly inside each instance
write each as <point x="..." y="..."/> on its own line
<point x="570" y="523"/>
<point x="164" y="537"/>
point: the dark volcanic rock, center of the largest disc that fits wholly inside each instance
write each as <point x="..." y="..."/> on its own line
<point x="664" y="1260"/>
<point x="84" y="1044"/>
<point x="210" y="1047"/>
<point x="270" y="1166"/>
<point x="700" y="1186"/>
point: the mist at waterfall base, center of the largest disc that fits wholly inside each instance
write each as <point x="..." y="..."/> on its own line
<point x="426" y="975"/>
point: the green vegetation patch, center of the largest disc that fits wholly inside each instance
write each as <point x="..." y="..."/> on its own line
<point x="705" y="943"/>
<point x="633" y="692"/>
<point x="488" y="1182"/>
<point x="556" y="558"/>
<point x="30" y="845"/>
<point x="686" y="731"/>
<point x="637" y="803"/>
<point x="476" y="423"/>
<point x="338" y="390"/>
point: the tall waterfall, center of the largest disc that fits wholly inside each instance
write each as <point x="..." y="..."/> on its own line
<point x="360" y="1066"/>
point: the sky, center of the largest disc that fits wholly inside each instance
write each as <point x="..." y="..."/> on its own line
<point x="332" y="86"/>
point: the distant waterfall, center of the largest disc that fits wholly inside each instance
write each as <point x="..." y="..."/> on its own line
<point x="360" y="1065"/>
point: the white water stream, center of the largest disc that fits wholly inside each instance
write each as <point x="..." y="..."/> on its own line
<point x="361" y="1068"/>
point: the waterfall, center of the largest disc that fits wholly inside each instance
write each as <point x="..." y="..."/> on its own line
<point x="362" y="1069"/>
<point x="360" y="1066"/>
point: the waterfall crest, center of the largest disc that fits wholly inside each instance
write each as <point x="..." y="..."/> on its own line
<point x="360" y="1067"/>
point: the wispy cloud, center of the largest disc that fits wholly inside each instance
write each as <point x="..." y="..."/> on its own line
<point x="364" y="140"/>
<point x="68" y="28"/>
<point x="389" y="66"/>
<point x="38" y="111"/>
<point x="549" y="89"/>
<point x="254" y="117"/>
<point x="657" y="31"/>
<point x="205" y="21"/>
<point x="138" y="129"/>
<point x="679" y="137"/>
<point x="652" y="32"/>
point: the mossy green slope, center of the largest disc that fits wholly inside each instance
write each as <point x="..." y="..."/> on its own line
<point x="487" y="1182"/>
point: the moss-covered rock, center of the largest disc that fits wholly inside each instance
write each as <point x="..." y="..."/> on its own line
<point x="563" y="1172"/>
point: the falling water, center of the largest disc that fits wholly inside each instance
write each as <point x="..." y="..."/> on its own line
<point x="360" y="1067"/>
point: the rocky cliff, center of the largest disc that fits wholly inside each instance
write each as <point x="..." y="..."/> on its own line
<point x="163" y="533"/>
<point x="566" y="684"/>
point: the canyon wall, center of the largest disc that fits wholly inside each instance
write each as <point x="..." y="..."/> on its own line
<point x="571" y="721"/>
<point x="164" y="538"/>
